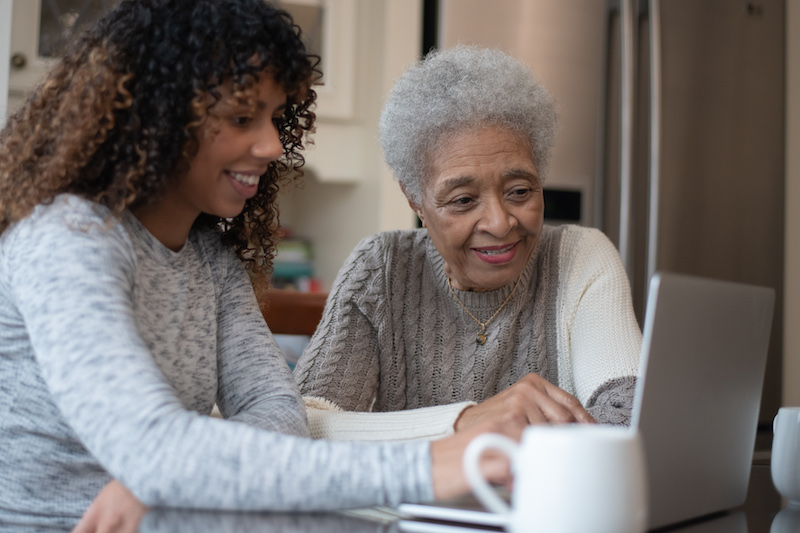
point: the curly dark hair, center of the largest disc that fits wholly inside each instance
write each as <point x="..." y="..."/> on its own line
<point x="117" y="117"/>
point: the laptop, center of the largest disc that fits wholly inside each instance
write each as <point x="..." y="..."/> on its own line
<point x="704" y="354"/>
<point x="698" y="394"/>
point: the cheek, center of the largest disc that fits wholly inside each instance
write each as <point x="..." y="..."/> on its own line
<point x="454" y="233"/>
<point x="533" y="217"/>
<point x="534" y="222"/>
<point x="215" y="153"/>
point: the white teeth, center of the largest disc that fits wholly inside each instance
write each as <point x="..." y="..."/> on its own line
<point x="245" y="179"/>
<point x="496" y="252"/>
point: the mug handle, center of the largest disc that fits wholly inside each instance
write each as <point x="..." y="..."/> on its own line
<point x="477" y="482"/>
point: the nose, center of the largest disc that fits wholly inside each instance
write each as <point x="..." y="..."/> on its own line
<point x="496" y="218"/>
<point x="267" y="143"/>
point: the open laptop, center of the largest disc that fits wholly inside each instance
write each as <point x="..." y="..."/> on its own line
<point x="704" y="352"/>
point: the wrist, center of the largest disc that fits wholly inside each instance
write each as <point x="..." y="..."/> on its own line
<point x="463" y="419"/>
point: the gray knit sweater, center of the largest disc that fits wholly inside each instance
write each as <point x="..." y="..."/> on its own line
<point x="112" y="350"/>
<point x="393" y="337"/>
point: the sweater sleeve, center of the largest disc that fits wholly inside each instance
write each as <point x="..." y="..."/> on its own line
<point x="328" y="421"/>
<point x="600" y="337"/>
<point x="341" y="362"/>
<point x="73" y="288"/>
<point x="255" y="384"/>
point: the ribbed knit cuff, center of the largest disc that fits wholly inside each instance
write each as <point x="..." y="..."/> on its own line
<point x="427" y="423"/>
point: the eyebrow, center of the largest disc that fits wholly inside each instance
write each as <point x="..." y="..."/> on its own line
<point x="261" y="105"/>
<point x="453" y="183"/>
<point x="521" y="173"/>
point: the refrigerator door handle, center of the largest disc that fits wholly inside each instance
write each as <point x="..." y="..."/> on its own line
<point x="655" y="137"/>
<point x="627" y="47"/>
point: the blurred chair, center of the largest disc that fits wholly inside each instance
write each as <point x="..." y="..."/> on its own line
<point x="290" y="312"/>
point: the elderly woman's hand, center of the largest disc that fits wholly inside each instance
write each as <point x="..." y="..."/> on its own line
<point x="531" y="400"/>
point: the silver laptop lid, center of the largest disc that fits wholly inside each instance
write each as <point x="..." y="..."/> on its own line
<point x="704" y="352"/>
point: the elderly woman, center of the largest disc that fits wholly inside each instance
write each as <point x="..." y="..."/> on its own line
<point x="484" y="312"/>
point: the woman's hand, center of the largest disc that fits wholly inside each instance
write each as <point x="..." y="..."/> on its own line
<point x="447" y="456"/>
<point x="531" y="400"/>
<point x="115" y="509"/>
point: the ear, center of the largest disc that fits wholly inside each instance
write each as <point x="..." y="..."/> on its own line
<point x="418" y="211"/>
<point x="414" y="207"/>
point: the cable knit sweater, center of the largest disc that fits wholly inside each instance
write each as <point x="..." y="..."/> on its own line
<point x="112" y="347"/>
<point x="393" y="338"/>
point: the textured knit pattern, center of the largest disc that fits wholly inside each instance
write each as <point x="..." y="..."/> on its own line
<point x="113" y="347"/>
<point x="393" y="338"/>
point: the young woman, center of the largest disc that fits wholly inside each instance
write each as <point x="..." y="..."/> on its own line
<point x="135" y="183"/>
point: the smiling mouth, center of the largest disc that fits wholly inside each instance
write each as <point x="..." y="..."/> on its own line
<point x="247" y="180"/>
<point x="495" y="251"/>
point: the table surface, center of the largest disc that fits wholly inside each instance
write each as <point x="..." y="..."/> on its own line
<point x="763" y="512"/>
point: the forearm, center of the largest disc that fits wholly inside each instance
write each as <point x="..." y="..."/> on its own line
<point x="245" y="468"/>
<point x="255" y="385"/>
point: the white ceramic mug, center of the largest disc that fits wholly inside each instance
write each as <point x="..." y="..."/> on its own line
<point x="567" y="479"/>
<point x="785" y="460"/>
<point x="786" y="521"/>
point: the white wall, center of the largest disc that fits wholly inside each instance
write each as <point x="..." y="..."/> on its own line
<point x="791" y="324"/>
<point x="334" y="214"/>
<point x="5" y="54"/>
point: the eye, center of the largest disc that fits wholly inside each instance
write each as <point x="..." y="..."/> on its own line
<point x="521" y="193"/>
<point x="462" y="203"/>
<point x="241" y="120"/>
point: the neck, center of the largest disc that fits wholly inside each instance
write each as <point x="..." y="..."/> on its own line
<point x="170" y="226"/>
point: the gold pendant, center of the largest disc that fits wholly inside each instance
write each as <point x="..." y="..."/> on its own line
<point x="481" y="338"/>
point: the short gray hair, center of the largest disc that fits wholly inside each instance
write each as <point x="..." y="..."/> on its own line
<point x="459" y="88"/>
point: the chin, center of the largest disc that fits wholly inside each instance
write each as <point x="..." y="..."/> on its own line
<point x="229" y="212"/>
<point x="494" y="283"/>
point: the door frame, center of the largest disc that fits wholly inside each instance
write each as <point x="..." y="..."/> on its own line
<point x="5" y="56"/>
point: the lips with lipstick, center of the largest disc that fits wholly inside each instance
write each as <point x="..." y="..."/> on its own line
<point x="497" y="254"/>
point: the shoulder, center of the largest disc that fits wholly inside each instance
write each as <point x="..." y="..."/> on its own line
<point x="375" y="250"/>
<point x="69" y="236"/>
<point x="69" y="220"/>
<point x="390" y="241"/>
<point x="587" y="256"/>
<point x="381" y="257"/>
<point x="580" y="240"/>
<point x="71" y="212"/>
<point x="576" y="245"/>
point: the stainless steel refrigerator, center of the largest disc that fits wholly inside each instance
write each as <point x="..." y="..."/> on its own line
<point x="674" y="118"/>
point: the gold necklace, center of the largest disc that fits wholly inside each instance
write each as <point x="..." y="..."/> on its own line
<point x="481" y="338"/>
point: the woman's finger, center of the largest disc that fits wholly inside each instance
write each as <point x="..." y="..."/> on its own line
<point x="531" y="396"/>
<point x="570" y="403"/>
